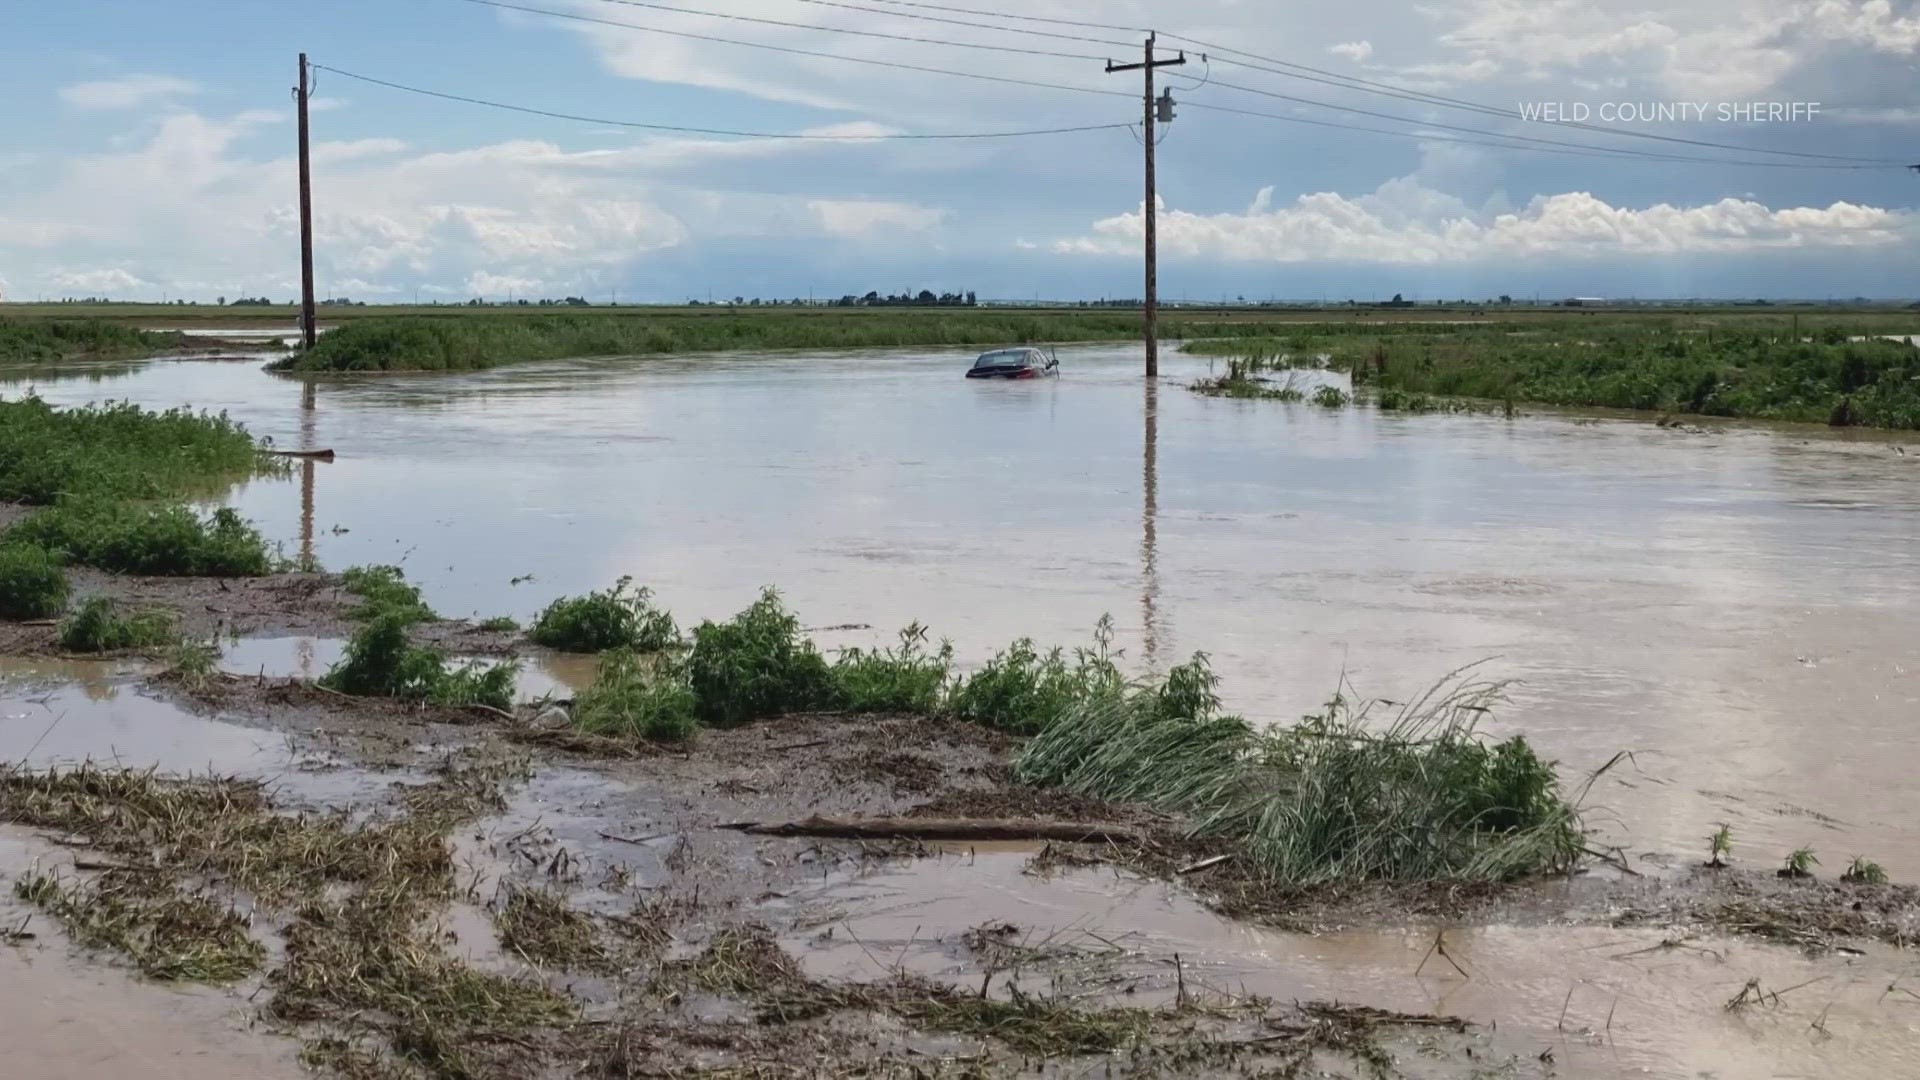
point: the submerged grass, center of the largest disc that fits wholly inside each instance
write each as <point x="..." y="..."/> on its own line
<point x="32" y="583"/>
<point x="99" y="627"/>
<point x="1765" y="369"/>
<point x="622" y="617"/>
<point x="168" y="935"/>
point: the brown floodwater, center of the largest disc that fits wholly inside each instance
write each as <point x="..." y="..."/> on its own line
<point x="1606" y="1002"/>
<point x="1734" y="604"/>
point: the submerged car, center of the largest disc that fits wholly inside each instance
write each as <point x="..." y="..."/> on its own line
<point x="1021" y="363"/>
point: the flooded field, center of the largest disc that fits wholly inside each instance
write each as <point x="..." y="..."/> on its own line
<point x="1733" y="604"/>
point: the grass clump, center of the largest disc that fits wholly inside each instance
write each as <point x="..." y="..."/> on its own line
<point x="1799" y="863"/>
<point x="904" y="679"/>
<point x="630" y="699"/>
<point x="381" y="662"/>
<point x="32" y="583"/>
<point x="542" y="928"/>
<point x="1336" y="797"/>
<point x="622" y="617"/>
<point x="1023" y="690"/>
<point x="1720" y="847"/>
<point x="1332" y="397"/>
<point x="168" y="935"/>
<point x="116" y="451"/>
<point x="385" y="590"/>
<point x="135" y="538"/>
<point x="757" y="665"/>
<point x="1242" y="380"/>
<point x="499" y="624"/>
<point x="99" y="627"/>
<point x="1864" y="871"/>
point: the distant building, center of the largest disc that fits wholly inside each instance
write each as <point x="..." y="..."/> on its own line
<point x="1584" y="301"/>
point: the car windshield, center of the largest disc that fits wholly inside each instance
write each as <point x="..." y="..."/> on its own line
<point x="1003" y="358"/>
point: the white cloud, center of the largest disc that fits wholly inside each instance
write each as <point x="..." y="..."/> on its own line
<point x="1404" y="223"/>
<point x="131" y="92"/>
<point x="104" y="281"/>
<point x="859" y="218"/>
<point x="326" y="104"/>
<point x="1356" y="51"/>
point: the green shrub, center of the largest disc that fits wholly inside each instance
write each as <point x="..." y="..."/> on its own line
<point x="499" y="624"/>
<point x="620" y="618"/>
<point x="381" y="662"/>
<point x="1332" y="397"/>
<point x="384" y="590"/>
<point x="137" y="539"/>
<point x="905" y="679"/>
<point x="757" y="665"/>
<point x="629" y="699"/>
<point x="117" y="451"/>
<point x="99" y="627"/>
<point x="1022" y="690"/>
<point x="32" y="584"/>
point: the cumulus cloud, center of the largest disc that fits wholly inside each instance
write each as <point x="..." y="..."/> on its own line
<point x="130" y="92"/>
<point x="1404" y="223"/>
<point x="1356" y="51"/>
<point x="858" y="217"/>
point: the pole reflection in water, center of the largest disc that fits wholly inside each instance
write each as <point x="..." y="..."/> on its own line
<point x="1149" y="533"/>
<point x="308" y="418"/>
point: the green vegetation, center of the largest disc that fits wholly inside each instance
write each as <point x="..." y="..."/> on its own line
<point x="99" y="627"/>
<point x="381" y="662"/>
<point x="1753" y="368"/>
<point x="116" y="452"/>
<point x="384" y="590"/>
<point x="757" y="665"/>
<point x="620" y="618"/>
<point x="43" y="340"/>
<point x="1720" y="847"/>
<point x="1022" y="690"/>
<point x="632" y="700"/>
<point x="1335" y="797"/>
<point x="499" y="624"/>
<point x="1800" y="863"/>
<point x="1332" y="397"/>
<point x="32" y="584"/>
<point x="1242" y="380"/>
<point x="139" y="538"/>
<point x="904" y="679"/>
<point x="1863" y="871"/>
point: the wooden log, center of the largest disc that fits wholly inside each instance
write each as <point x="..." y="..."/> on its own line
<point x="939" y="829"/>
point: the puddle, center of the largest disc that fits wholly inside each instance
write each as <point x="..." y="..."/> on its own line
<point x="542" y="675"/>
<point x="65" y="1016"/>
<point x="1661" y="1013"/>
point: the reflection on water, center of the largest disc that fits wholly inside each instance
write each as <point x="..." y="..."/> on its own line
<point x="1740" y="606"/>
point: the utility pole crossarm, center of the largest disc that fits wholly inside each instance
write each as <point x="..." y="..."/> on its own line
<point x="1151" y="207"/>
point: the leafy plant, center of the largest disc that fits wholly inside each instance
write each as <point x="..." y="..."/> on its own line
<point x="1720" y="846"/>
<point x="384" y="590"/>
<point x="904" y="679"/>
<point x="619" y="618"/>
<point x="32" y="583"/>
<point x="1863" y="871"/>
<point x="133" y="538"/>
<point x="1332" y="397"/>
<point x="98" y="627"/>
<point x="757" y="665"/>
<point x="1800" y="864"/>
<point x="116" y="451"/>
<point x="381" y="662"/>
<point x="1022" y="690"/>
<point x="630" y="699"/>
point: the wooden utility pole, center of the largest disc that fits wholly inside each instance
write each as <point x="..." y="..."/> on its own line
<point x="1153" y="108"/>
<point x="308" y="330"/>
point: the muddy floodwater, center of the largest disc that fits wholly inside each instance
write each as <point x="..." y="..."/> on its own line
<point x="1735" y="604"/>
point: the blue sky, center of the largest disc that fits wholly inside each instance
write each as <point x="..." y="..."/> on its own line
<point x="147" y="152"/>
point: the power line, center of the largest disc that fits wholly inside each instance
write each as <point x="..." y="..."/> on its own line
<point x="975" y="25"/>
<point x="1620" y="151"/>
<point x="812" y="137"/>
<point x="1348" y="82"/>
<point x="1255" y="61"/>
<point x="849" y="30"/>
<point x="1008" y="79"/>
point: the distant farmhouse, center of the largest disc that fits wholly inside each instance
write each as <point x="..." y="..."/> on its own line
<point x="1585" y="301"/>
